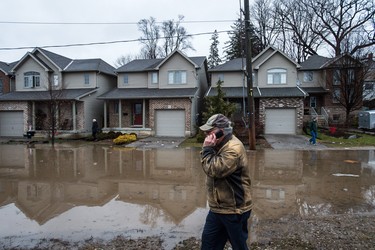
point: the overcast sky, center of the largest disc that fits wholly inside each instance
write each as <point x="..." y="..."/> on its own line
<point x="15" y="35"/>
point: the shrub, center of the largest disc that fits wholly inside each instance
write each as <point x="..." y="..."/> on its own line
<point x="126" y="138"/>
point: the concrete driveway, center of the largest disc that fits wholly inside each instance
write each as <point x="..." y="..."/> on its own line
<point x="291" y="142"/>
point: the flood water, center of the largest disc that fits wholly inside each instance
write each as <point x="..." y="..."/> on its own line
<point x="78" y="191"/>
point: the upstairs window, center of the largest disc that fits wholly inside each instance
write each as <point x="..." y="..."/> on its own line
<point x="336" y="77"/>
<point x="87" y="79"/>
<point x="308" y="76"/>
<point x="177" y="77"/>
<point x="276" y="76"/>
<point x="31" y="79"/>
<point x="154" y="78"/>
<point x="220" y="77"/>
<point x="126" y="79"/>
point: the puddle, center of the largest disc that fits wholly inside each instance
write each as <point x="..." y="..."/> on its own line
<point x="78" y="191"/>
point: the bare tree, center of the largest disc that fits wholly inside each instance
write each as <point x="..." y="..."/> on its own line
<point x="347" y="76"/>
<point x="263" y="16"/>
<point x="150" y="37"/>
<point x="122" y="60"/>
<point x="175" y="36"/>
<point x="299" y="40"/>
<point x="341" y="20"/>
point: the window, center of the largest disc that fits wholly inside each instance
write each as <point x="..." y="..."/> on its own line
<point x="115" y="107"/>
<point x="177" y="77"/>
<point x="220" y="77"/>
<point x="336" y="95"/>
<point x="87" y="78"/>
<point x="368" y="86"/>
<point x="126" y="79"/>
<point x="55" y="80"/>
<point x="336" y="77"/>
<point x="276" y="76"/>
<point x="32" y="79"/>
<point x="308" y="76"/>
<point x="154" y="78"/>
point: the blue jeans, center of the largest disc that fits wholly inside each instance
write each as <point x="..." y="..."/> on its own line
<point x="313" y="137"/>
<point x="222" y="227"/>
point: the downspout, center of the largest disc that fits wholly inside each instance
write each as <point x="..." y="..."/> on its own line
<point x="74" y="111"/>
<point x="105" y="114"/>
<point x="119" y="113"/>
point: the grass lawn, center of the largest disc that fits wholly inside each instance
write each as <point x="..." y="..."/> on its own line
<point x="361" y="140"/>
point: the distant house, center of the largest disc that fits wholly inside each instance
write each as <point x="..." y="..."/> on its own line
<point x="277" y="95"/>
<point x="6" y="77"/>
<point x="161" y="97"/>
<point x="43" y="78"/>
<point x="325" y="79"/>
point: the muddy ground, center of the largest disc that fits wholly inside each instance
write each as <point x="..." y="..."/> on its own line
<point x="327" y="232"/>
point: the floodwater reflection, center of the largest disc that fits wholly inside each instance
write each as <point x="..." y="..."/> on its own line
<point x="78" y="191"/>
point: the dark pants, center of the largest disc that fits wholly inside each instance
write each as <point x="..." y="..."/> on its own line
<point x="222" y="227"/>
<point x="313" y="137"/>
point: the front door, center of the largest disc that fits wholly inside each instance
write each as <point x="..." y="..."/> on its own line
<point x="312" y="101"/>
<point x="137" y="114"/>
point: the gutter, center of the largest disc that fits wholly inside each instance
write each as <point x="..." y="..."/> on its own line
<point x="304" y="93"/>
<point x="260" y="93"/>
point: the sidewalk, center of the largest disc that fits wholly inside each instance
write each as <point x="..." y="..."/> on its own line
<point x="291" y="142"/>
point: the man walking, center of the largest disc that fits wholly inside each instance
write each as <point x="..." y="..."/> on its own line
<point x="224" y="161"/>
<point x="313" y="131"/>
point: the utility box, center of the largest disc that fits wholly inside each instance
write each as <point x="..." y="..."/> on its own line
<point x="366" y="119"/>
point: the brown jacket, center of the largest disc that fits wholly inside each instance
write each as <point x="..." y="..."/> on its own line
<point x="228" y="181"/>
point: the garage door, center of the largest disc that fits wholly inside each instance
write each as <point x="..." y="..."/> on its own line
<point x="170" y="123"/>
<point x="280" y="121"/>
<point x="11" y="123"/>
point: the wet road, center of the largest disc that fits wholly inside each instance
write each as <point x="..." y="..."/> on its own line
<point x="77" y="191"/>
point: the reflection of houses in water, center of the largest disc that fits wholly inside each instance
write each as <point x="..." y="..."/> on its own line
<point x="50" y="181"/>
<point x="338" y="185"/>
<point x="276" y="178"/>
<point x="165" y="179"/>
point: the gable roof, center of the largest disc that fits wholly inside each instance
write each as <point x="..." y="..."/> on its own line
<point x="97" y="65"/>
<point x="141" y="65"/>
<point x="65" y="64"/>
<point x="7" y="67"/>
<point x="237" y="64"/>
<point x="172" y="54"/>
<point x="59" y="60"/>
<point x="274" y="51"/>
<point x="314" y="62"/>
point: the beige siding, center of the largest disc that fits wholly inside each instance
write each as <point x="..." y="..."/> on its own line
<point x="77" y="80"/>
<point x="31" y="65"/>
<point x="231" y="79"/>
<point x="277" y="61"/>
<point x="177" y="62"/>
<point x="318" y="79"/>
<point x="136" y="80"/>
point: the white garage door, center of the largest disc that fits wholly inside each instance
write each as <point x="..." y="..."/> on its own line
<point x="11" y="123"/>
<point x="280" y="121"/>
<point x="170" y="123"/>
